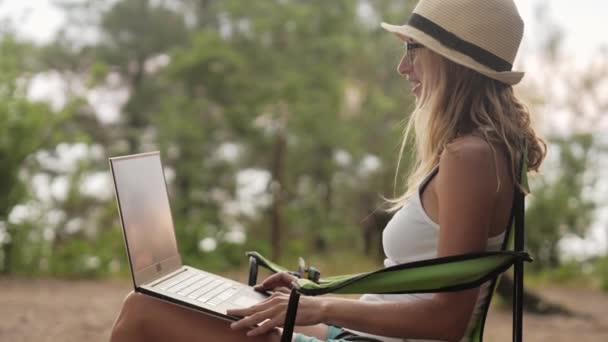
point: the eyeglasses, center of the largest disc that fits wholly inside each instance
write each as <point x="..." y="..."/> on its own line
<point x="409" y="51"/>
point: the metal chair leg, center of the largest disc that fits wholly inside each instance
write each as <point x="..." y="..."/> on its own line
<point x="290" y="317"/>
<point x="253" y="271"/>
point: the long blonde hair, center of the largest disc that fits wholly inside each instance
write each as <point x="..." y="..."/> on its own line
<point x="457" y="101"/>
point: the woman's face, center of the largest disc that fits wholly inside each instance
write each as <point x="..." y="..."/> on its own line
<point x="410" y="66"/>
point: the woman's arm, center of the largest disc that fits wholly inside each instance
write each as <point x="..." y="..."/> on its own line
<point x="427" y="318"/>
<point x="424" y="318"/>
<point x="466" y="192"/>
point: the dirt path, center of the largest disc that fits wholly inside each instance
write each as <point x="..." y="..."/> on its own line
<point x="69" y="311"/>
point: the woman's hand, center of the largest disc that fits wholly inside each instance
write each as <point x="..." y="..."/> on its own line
<point x="273" y="310"/>
<point x="281" y="281"/>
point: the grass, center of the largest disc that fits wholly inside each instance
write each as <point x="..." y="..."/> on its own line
<point x="590" y="274"/>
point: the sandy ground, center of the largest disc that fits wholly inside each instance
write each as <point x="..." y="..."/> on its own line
<point x="57" y="310"/>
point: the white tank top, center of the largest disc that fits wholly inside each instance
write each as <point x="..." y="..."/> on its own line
<point x="411" y="235"/>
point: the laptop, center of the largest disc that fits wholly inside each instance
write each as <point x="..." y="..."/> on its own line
<point x="154" y="260"/>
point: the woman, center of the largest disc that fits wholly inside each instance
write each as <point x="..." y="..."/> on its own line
<point x="469" y="131"/>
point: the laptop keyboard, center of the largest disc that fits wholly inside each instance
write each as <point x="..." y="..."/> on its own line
<point x="202" y="287"/>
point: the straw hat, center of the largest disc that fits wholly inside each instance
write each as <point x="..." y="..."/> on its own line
<point x="482" y="35"/>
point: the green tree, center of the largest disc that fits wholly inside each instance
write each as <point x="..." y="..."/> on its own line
<point x="26" y="127"/>
<point x="287" y="84"/>
<point x="561" y="203"/>
<point x="563" y="200"/>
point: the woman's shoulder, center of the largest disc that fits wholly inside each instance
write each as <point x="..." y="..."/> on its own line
<point x="469" y="149"/>
<point x="471" y="161"/>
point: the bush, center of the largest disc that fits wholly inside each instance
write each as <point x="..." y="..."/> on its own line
<point x="600" y="272"/>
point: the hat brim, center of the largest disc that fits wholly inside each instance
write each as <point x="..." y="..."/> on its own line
<point x="406" y="31"/>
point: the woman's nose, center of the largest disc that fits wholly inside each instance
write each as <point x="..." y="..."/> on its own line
<point x="404" y="66"/>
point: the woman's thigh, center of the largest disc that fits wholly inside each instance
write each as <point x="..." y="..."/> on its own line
<point x="146" y="318"/>
<point x="319" y="331"/>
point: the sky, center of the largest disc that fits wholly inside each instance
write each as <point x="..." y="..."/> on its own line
<point x="583" y="22"/>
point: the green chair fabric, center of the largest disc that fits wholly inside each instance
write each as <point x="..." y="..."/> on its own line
<point x="434" y="275"/>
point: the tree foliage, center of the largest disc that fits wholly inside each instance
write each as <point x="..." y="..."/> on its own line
<point x="278" y="122"/>
<point x="25" y="128"/>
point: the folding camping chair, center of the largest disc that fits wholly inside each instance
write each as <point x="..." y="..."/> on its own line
<point x="452" y="273"/>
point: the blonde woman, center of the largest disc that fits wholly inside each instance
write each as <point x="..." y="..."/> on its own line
<point x="469" y="130"/>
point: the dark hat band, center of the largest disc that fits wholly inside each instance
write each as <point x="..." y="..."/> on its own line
<point x="452" y="41"/>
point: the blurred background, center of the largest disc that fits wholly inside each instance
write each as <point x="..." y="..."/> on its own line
<point x="279" y="123"/>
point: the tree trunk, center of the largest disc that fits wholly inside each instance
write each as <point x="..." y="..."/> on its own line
<point x="278" y="171"/>
<point x="323" y="177"/>
<point x="7" y="253"/>
<point x="134" y="119"/>
<point x="372" y="225"/>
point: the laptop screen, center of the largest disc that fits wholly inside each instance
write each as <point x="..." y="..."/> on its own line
<point x="145" y="211"/>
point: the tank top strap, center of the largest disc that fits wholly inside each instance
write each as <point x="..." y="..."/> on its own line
<point x="428" y="179"/>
